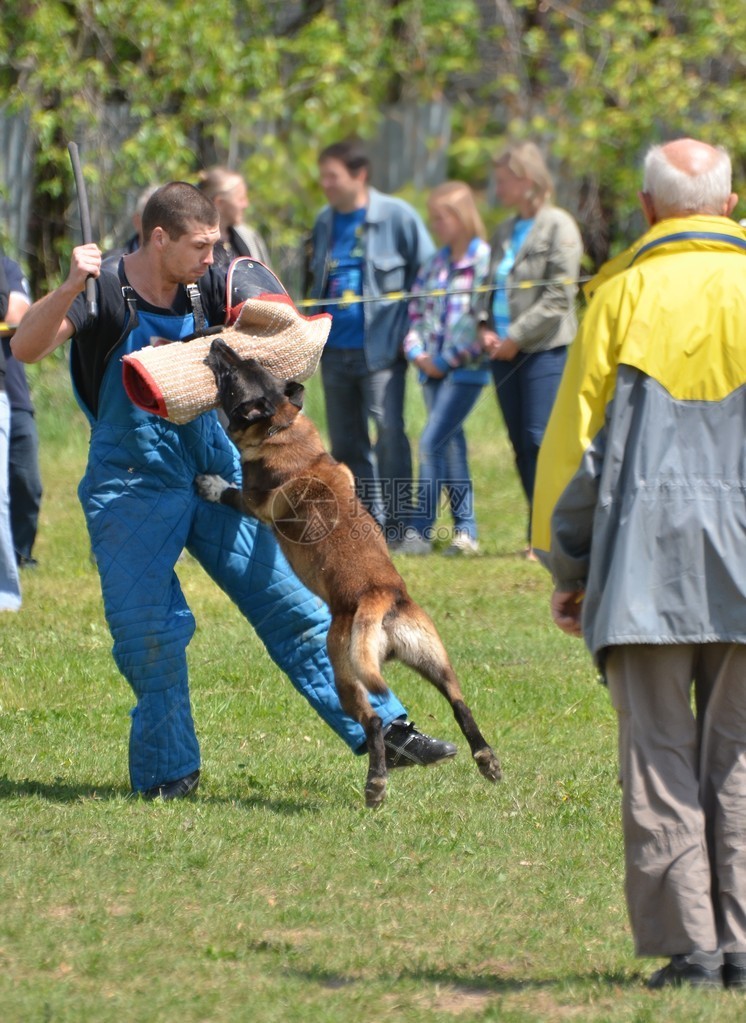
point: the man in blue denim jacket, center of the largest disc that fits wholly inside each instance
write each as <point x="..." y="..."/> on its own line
<point x="366" y="244"/>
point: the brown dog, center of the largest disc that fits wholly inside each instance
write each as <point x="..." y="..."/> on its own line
<point x="334" y="547"/>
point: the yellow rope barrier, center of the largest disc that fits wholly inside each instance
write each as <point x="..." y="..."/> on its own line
<point x="350" y="298"/>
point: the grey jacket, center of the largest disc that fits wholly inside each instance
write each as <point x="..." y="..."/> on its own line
<point x="543" y="316"/>
<point x="640" y="495"/>
<point x="396" y="245"/>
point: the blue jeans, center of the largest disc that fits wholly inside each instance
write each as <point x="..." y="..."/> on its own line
<point x="526" y="388"/>
<point x="10" y="589"/>
<point x="354" y="395"/>
<point x="443" y="456"/>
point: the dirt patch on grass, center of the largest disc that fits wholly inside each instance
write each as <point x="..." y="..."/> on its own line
<point x="61" y="912"/>
<point x="544" y="1006"/>
<point x="457" y="1000"/>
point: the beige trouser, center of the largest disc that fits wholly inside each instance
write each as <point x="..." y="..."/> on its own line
<point x="683" y="774"/>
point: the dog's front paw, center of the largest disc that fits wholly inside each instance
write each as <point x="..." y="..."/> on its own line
<point x="212" y="488"/>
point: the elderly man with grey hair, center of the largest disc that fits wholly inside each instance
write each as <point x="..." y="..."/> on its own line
<point x="640" y="515"/>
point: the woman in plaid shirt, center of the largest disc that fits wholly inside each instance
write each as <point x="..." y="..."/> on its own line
<point x="453" y="368"/>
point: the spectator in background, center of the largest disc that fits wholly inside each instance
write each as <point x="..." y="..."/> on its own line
<point x="10" y="588"/>
<point x="24" y="477"/>
<point x="442" y="343"/>
<point x="640" y="514"/>
<point x="366" y="244"/>
<point x="111" y="259"/>
<point x="527" y="329"/>
<point x="228" y="191"/>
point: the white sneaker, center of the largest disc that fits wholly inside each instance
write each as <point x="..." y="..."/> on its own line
<point x="413" y="543"/>
<point x="461" y="544"/>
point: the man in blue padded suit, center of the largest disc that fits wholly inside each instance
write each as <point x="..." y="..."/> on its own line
<point x="142" y="508"/>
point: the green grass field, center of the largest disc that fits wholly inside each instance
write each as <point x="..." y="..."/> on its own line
<point x="275" y="896"/>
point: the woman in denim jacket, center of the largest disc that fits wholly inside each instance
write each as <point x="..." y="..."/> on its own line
<point x="526" y="329"/>
<point x="453" y="368"/>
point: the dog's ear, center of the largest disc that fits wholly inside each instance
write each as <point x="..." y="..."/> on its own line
<point x="294" y="393"/>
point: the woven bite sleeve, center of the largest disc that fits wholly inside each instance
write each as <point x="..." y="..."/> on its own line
<point x="172" y="380"/>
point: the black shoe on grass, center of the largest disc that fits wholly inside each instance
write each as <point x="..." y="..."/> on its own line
<point x="698" y="969"/>
<point x="179" y="789"/>
<point x="406" y="747"/>
<point x="734" y="970"/>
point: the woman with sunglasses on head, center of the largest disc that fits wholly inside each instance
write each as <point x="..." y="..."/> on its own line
<point x="526" y="327"/>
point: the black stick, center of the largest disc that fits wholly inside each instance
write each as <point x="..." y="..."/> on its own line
<point x="85" y="223"/>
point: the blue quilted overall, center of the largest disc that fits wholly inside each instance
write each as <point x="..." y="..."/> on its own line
<point x="142" y="509"/>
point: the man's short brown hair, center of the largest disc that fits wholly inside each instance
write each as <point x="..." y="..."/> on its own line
<point x="176" y="207"/>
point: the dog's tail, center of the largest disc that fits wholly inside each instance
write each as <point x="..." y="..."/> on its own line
<point x="369" y="644"/>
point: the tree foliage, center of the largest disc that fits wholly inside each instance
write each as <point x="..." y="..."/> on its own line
<point x="178" y="88"/>
<point x="598" y="82"/>
<point x="156" y="89"/>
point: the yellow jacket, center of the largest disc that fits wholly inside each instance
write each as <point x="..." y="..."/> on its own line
<point x="640" y="496"/>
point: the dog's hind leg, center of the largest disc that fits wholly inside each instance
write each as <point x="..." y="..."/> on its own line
<point x="415" y="641"/>
<point x="353" y="695"/>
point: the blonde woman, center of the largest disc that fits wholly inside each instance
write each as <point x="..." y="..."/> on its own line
<point x="442" y="343"/>
<point x="228" y="191"/>
<point x="526" y="330"/>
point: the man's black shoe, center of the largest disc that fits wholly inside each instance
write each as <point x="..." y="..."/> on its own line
<point x="406" y="747"/>
<point x="178" y="789"/>
<point x="734" y="970"/>
<point x="698" y="969"/>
